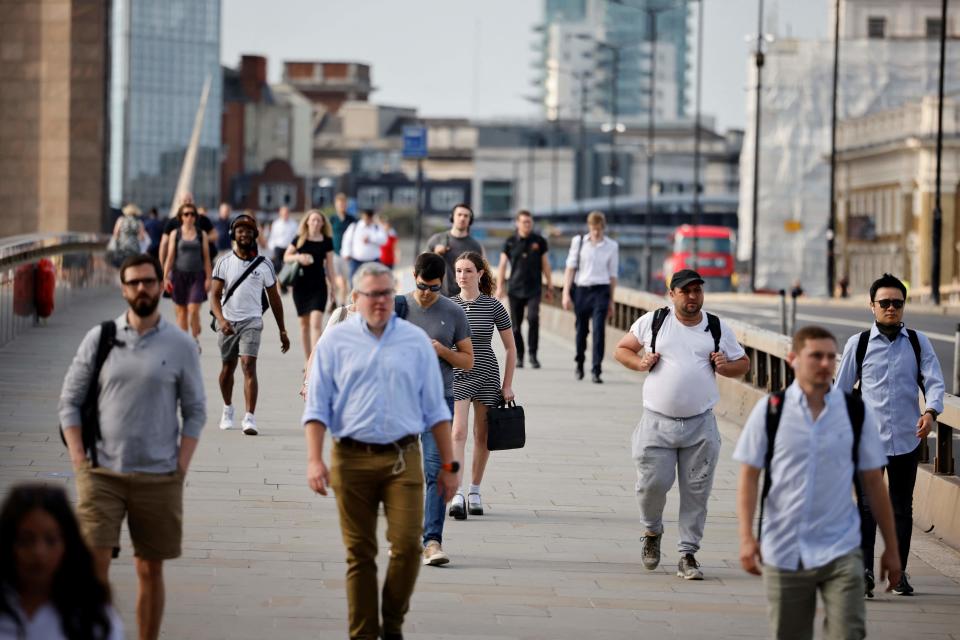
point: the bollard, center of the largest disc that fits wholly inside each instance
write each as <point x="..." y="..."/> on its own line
<point x="956" y="362"/>
<point x="793" y="312"/>
<point x="783" y="312"/>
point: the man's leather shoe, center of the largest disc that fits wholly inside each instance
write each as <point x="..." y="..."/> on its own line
<point x="519" y="363"/>
<point x="596" y="378"/>
<point x="579" y="372"/>
<point x="534" y="362"/>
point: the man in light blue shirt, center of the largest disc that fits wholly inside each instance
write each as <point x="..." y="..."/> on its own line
<point x="890" y="362"/>
<point x="811" y="531"/>
<point x="375" y="384"/>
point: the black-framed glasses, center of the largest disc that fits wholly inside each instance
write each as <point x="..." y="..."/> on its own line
<point x="423" y="286"/>
<point x="885" y="303"/>
<point x="136" y="282"/>
<point x="373" y="295"/>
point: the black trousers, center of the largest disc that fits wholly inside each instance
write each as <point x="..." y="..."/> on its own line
<point x="591" y="303"/>
<point x="532" y="307"/>
<point x="902" y="477"/>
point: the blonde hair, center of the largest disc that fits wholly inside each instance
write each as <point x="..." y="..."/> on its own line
<point x="132" y="210"/>
<point x="597" y="218"/>
<point x="325" y="228"/>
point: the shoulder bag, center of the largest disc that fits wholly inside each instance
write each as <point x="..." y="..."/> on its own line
<point x="505" y="427"/>
<point x="253" y="265"/>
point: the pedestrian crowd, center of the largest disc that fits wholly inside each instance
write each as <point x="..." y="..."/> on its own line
<point x="133" y="406"/>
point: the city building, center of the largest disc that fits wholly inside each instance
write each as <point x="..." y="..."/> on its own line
<point x="568" y="56"/>
<point x="162" y="55"/>
<point x="889" y="56"/>
<point x="329" y="84"/>
<point x="886" y="173"/>
<point x="53" y="125"/>
<point x="267" y="139"/>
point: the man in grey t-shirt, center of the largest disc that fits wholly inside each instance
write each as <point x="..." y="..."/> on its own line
<point x="454" y="243"/>
<point x="445" y="323"/>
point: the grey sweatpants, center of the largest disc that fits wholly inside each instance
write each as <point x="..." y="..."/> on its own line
<point x="689" y="446"/>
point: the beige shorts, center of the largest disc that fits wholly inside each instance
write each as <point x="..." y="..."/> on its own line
<point x="151" y="502"/>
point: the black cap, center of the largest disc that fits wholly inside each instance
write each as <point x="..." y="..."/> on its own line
<point x="684" y="277"/>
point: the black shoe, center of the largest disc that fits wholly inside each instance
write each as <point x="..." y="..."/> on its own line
<point x="534" y="362"/>
<point x="578" y="372"/>
<point x="519" y="363"/>
<point x="392" y="636"/>
<point x="458" y="507"/>
<point x="869" y="583"/>
<point x="596" y="378"/>
<point x="903" y="587"/>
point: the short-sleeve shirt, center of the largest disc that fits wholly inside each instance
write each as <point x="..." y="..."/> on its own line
<point x="315" y="272"/>
<point x="683" y="383"/>
<point x="456" y="247"/>
<point x="338" y="227"/>
<point x="245" y="301"/>
<point x="526" y="264"/>
<point x="445" y="322"/>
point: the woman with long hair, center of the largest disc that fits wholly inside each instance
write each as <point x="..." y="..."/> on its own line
<point x="188" y="269"/>
<point x="481" y="385"/>
<point x="49" y="588"/>
<point x="312" y="248"/>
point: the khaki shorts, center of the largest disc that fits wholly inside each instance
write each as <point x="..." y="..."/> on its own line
<point x="152" y="503"/>
<point x="245" y="340"/>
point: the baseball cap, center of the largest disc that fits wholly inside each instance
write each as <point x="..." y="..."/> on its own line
<point x="244" y="220"/>
<point x="684" y="277"/>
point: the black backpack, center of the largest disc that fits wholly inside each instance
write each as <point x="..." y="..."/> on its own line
<point x="90" y="409"/>
<point x="855" y="411"/>
<point x="660" y="315"/>
<point x="401" y="307"/>
<point x="862" y="343"/>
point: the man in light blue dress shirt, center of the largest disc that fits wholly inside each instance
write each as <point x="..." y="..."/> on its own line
<point x="376" y="386"/>
<point x="811" y="529"/>
<point x="889" y="381"/>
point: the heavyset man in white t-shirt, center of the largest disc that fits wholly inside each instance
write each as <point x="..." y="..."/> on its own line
<point x="678" y="433"/>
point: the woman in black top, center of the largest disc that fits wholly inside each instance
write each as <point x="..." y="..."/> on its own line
<point x="313" y="250"/>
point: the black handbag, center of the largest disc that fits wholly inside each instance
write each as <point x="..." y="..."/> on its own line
<point x="505" y="427"/>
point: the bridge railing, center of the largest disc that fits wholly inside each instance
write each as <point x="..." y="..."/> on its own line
<point x="769" y="370"/>
<point x="79" y="263"/>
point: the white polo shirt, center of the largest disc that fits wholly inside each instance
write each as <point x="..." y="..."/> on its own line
<point x="683" y="382"/>
<point x="362" y="241"/>
<point x="597" y="262"/>
<point x="245" y="301"/>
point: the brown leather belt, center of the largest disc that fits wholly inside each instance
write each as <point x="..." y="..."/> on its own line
<point x="350" y="443"/>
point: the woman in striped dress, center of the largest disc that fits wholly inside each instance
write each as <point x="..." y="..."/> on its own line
<point x="480" y="385"/>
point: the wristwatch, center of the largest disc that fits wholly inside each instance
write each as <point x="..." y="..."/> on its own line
<point x="933" y="412"/>
<point x="452" y="467"/>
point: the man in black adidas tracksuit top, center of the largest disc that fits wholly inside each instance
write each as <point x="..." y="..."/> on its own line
<point x="891" y="362"/>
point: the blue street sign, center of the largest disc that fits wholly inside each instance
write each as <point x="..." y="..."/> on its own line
<point x="414" y="141"/>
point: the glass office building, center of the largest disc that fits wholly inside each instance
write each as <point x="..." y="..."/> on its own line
<point x="162" y="53"/>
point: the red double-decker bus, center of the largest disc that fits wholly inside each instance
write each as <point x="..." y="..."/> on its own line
<point x="714" y="259"/>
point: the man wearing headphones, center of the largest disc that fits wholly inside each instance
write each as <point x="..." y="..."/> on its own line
<point x="454" y="243"/>
<point x="245" y="276"/>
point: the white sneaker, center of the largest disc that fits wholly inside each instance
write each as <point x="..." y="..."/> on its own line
<point x="226" y="421"/>
<point x="249" y="425"/>
<point x="433" y="555"/>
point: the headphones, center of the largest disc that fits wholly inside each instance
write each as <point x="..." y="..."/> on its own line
<point x="233" y="227"/>
<point x="464" y="206"/>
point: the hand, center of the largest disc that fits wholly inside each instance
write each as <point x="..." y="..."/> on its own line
<point x="925" y="425"/>
<point x="303" y="391"/>
<point x="318" y="478"/>
<point x="750" y="558"/>
<point x="168" y="285"/>
<point x="610" y="310"/>
<point x="439" y="348"/>
<point x="508" y="394"/>
<point x="447" y="485"/>
<point x="440" y="249"/>
<point x="890" y="567"/>
<point x="181" y="471"/>
<point x="284" y="342"/>
<point x="718" y="359"/>
<point x="306" y="259"/>
<point x="225" y="327"/>
<point x="648" y="360"/>
<point x="548" y="294"/>
<point x="206" y="284"/>
<point x="566" y="302"/>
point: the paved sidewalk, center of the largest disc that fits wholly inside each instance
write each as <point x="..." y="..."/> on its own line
<point x="556" y="556"/>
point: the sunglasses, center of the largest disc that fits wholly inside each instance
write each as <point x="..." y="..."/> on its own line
<point x="423" y="286"/>
<point x="885" y="304"/>
<point x="187" y="214"/>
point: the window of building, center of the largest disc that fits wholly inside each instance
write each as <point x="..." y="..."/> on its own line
<point x="876" y="27"/>
<point x="934" y="28"/>
<point x="497" y="197"/>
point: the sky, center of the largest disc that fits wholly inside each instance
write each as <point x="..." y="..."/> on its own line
<point x="460" y="58"/>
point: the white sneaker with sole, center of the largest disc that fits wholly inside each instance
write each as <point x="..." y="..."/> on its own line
<point x="433" y="555"/>
<point x="226" y="420"/>
<point x="249" y="425"/>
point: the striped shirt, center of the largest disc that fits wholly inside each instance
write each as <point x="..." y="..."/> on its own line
<point x="483" y="381"/>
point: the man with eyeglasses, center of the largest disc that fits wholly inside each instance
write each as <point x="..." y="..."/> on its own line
<point x="376" y="387"/>
<point x="446" y="324"/>
<point x="886" y="365"/>
<point x="152" y="368"/>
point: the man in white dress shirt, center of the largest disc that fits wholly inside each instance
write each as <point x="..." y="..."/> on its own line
<point x="362" y="241"/>
<point x="592" y="266"/>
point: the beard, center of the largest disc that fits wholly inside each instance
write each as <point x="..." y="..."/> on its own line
<point x="144" y="305"/>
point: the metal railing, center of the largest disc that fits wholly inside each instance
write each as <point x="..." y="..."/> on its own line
<point x="79" y="263"/>
<point x="769" y="370"/>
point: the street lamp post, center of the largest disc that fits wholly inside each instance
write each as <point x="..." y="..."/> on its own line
<point x="696" y="137"/>
<point x="937" y="211"/>
<point x="832" y="227"/>
<point x="758" y="57"/>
